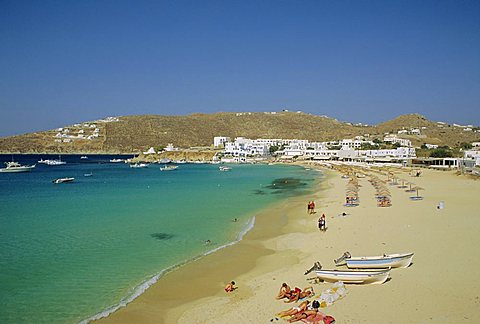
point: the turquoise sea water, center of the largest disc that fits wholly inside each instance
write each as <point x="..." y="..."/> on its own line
<point x="75" y="250"/>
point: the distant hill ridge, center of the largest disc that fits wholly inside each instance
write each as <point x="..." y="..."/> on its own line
<point x="131" y="134"/>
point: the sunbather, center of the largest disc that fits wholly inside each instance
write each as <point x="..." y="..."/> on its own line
<point x="295" y="309"/>
<point x="299" y="294"/>
<point x="285" y="291"/>
<point x="312" y="314"/>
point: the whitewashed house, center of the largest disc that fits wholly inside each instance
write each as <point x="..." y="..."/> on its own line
<point x="220" y="140"/>
<point x="394" y="139"/>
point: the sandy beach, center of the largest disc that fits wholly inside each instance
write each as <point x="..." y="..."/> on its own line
<point x="441" y="286"/>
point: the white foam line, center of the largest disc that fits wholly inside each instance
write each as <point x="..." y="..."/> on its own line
<point x="140" y="289"/>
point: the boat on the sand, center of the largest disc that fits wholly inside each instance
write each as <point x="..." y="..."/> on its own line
<point x="399" y="260"/>
<point x="354" y="276"/>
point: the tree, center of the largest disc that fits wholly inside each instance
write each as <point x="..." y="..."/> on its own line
<point x="273" y="149"/>
<point x="424" y="146"/>
<point x="466" y="146"/>
<point x="441" y="153"/>
<point x="368" y="146"/>
<point x="396" y="145"/>
<point x="377" y="141"/>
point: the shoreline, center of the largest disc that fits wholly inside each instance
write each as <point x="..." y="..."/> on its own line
<point x="441" y="285"/>
<point x="168" y="307"/>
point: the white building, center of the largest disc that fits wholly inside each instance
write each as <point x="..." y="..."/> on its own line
<point x="431" y="146"/>
<point x="394" y="139"/>
<point x="171" y="148"/>
<point x="472" y="155"/>
<point x="220" y="140"/>
<point x="246" y="147"/>
<point x="150" y="151"/>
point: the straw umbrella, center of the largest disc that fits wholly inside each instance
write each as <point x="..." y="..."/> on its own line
<point x="417" y="197"/>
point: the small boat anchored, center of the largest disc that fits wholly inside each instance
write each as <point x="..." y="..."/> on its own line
<point x="17" y="167"/>
<point x="139" y="165"/>
<point x="117" y="160"/>
<point x="169" y="168"/>
<point x="399" y="260"/>
<point x="84" y="157"/>
<point x="63" y="180"/>
<point x="224" y="168"/>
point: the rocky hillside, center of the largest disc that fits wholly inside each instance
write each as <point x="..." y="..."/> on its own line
<point x="132" y="134"/>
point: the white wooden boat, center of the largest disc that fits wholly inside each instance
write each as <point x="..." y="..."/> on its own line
<point x="354" y="276"/>
<point x="399" y="260"/>
<point x="17" y="167"/>
<point x="63" y="180"/>
<point x="169" y="168"/>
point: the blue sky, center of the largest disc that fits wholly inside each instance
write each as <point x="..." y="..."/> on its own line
<point x="63" y="62"/>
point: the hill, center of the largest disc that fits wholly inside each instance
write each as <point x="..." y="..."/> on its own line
<point x="132" y="134"/>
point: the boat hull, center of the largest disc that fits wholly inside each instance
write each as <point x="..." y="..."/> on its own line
<point x="377" y="262"/>
<point x="354" y="277"/>
<point x="63" y="180"/>
<point x="17" y="169"/>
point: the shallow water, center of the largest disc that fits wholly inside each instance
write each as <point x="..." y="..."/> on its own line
<point x="70" y="251"/>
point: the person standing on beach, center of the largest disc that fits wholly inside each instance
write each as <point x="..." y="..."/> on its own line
<point x="322" y="224"/>
<point x="309" y="207"/>
<point x="312" y="210"/>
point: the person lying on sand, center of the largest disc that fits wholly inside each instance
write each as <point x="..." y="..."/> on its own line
<point x="295" y="309"/>
<point x="311" y="316"/>
<point x="285" y="291"/>
<point x="299" y="294"/>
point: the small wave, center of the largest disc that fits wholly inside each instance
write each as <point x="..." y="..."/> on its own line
<point x="247" y="228"/>
<point x="140" y="289"/>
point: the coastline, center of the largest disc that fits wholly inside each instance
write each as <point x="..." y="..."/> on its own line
<point x="439" y="286"/>
<point x="166" y="300"/>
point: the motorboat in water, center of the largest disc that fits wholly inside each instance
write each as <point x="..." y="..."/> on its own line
<point x="53" y="162"/>
<point x="17" y="167"/>
<point x="63" y="180"/>
<point x="117" y="160"/>
<point x="139" y="165"/>
<point x="399" y="260"/>
<point x="84" y="157"/>
<point x="88" y="174"/>
<point x="224" y="168"/>
<point x="164" y="161"/>
<point x="169" y="167"/>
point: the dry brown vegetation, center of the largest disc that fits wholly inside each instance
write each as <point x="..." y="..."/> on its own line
<point x="133" y="134"/>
